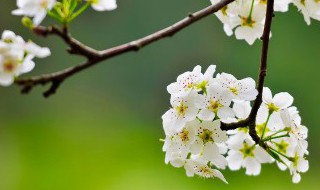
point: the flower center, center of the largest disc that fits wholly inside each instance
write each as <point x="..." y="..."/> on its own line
<point x="247" y="21"/>
<point x="247" y="151"/>
<point x="181" y="109"/>
<point x="234" y="90"/>
<point x="282" y="146"/>
<point x="184" y="136"/>
<point x="9" y="66"/>
<point x="273" y="108"/>
<point x="205" y="171"/>
<point x="214" y="105"/>
<point x="206" y="136"/>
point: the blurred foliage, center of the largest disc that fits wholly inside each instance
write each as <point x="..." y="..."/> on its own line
<point x="101" y="131"/>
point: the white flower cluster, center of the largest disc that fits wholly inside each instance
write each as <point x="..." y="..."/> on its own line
<point x="38" y="8"/>
<point x="195" y="141"/>
<point x="16" y="56"/>
<point x="246" y="17"/>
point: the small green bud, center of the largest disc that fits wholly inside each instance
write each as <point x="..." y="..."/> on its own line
<point x="27" y="22"/>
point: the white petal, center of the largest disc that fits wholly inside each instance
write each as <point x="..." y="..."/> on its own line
<point x="303" y="165"/>
<point x="177" y="162"/>
<point x="27" y="65"/>
<point x="225" y="112"/>
<point x="36" y="50"/>
<point x="105" y="5"/>
<point x="252" y="166"/>
<point x="210" y="151"/>
<point x="38" y="18"/>
<point x="219" y="175"/>
<point x="281" y="166"/>
<point x="196" y="147"/>
<point x="220" y="162"/>
<point x="242" y="109"/>
<point x="267" y="95"/>
<point x="6" y="79"/>
<point x="189" y="170"/>
<point x="262" y="156"/>
<point x="234" y="159"/>
<point x="283" y="100"/>
<point x="209" y="72"/>
<point x="206" y="115"/>
<point x="296" y="178"/>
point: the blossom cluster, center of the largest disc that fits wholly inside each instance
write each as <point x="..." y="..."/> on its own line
<point x="16" y="56"/>
<point x="38" y="9"/>
<point x="194" y="138"/>
<point x="246" y="17"/>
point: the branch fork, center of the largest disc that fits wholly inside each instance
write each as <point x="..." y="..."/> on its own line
<point x="94" y="57"/>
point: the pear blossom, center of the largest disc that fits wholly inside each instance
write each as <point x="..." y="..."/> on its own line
<point x="216" y="103"/>
<point x="228" y="16"/>
<point x="183" y="109"/>
<point x="244" y="89"/>
<point x="198" y="166"/>
<point x="103" y="5"/>
<point x="296" y="130"/>
<point x="190" y="81"/>
<point x="194" y="138"/>
<point x="178" y="144"/>
<point x="208" y="133"/>
<point x="299" y="165"/>
<point x="34" y="8"/>
<point x="16" y="56"/>
<point x="251" y="22"/>
<point x="274" y="105"/>
<point x="248" y="155"/>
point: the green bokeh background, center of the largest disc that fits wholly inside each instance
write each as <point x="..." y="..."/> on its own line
<point x="102" y="130"/>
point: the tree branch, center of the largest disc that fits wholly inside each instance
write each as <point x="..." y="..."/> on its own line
<point x="75" y="47"/>
<point x="95" y="57"/>
<point x="251" y="120"/>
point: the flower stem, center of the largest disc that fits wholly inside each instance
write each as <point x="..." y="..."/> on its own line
<point x="265" y="126"/>
<point x="251" y="10"/>
<point x="274" y="150"/>
<point x="81" y="10"/>
<point x="276" y="137"/>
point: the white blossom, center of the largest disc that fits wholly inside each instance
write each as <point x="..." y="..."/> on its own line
<point x="192" y="81"/>
<point x="34" y="8"/>
<point x="103" y="5"/>
<point x="183" y="109"/>
<point x="16" y="56"/>
<point x="248" y="155"/>
<point x="216" y="103"/>
<point x="238" y="89"/>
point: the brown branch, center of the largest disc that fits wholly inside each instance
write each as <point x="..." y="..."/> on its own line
<point x="75" y="47"/>
<point x="251" y="120"/>
<point x="95" y="57"/>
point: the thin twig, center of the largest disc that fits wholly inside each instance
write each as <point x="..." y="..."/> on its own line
<point x="95" y="57"/>
<point x="75" y="47"/>
<point x="251" y="120"/>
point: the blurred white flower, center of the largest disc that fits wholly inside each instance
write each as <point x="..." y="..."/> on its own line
<point x="16" y="56"/>
<point x="103" y="5"/>
<point x="34" y="8"/>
